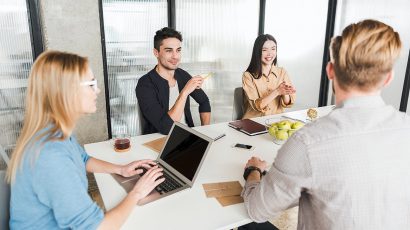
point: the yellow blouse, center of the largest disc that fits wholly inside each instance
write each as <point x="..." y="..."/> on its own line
<point x="255" y="89"/>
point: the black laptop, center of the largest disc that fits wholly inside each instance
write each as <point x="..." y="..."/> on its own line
<point x="181" y="158"/>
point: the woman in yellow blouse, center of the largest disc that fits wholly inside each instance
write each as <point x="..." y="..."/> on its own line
<point x="268" y="89"/>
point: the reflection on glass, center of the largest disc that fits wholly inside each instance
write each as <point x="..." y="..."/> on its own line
<point x="16" y="59"/>
<point x="394" y="14"/>
<point x="217" y="38"/>
<point x="129" y="31"/>
<point x="299" y="27"/>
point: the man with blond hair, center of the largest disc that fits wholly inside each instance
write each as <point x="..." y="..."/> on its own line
<point x="351" y="168"/>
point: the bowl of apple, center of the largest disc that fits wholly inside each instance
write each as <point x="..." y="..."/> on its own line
<point x="282" y="129"/>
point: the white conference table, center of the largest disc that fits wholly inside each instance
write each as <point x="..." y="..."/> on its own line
<point x="191" y="209"/>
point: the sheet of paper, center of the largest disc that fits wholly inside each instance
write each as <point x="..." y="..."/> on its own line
<point x="223" y="189"/>
<point x="214" y="134"/>
<point x="156" y="144"/>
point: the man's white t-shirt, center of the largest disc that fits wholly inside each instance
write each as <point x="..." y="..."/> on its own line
<point x="173" y="96"/>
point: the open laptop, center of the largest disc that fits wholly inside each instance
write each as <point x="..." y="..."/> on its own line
<point x="181" y="158"/>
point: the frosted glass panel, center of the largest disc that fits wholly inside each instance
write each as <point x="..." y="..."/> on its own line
<point x="129" y="33"/>
<point x="217" y="37"/>
<point x="15" y="61"/>
<point x="299" y="27"/>
<point x="394" y="13"/>
<point x="408" y="106"/>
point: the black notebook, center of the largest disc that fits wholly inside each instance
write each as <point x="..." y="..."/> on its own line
<point x="248" y="127"/>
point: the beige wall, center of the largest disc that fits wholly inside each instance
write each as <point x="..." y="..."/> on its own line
<point x="74" y="26"/>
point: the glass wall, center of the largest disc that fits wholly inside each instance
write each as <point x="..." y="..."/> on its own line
<point x="218" y="38"/>
<point x="394" y="13"/>
<point x="129" y="31"/>
<point x="299" y="27"/>
<point x="16" y="59"/>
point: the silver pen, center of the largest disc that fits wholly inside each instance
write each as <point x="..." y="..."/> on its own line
<point x="219" y="137"/>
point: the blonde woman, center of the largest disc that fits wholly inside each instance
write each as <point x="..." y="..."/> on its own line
<point x="48" y="167"/>
<point x="268" y="89"/>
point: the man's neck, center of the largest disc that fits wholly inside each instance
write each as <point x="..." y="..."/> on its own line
<point x="165" y="73"/>
<point x="342" y="95"/>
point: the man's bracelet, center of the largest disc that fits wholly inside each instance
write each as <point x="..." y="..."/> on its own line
<point x="249" y="169"/>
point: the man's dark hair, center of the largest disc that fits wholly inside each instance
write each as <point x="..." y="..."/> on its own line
<point x="165" y="33"/>
<point x="255" y="67"/>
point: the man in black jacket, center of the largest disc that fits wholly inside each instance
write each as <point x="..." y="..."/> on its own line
<point x="163" y="93"/>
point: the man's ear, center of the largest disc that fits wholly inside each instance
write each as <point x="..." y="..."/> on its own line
<point x="389" y="78"/>
<point x="330" y="71"/>
<point x="155" y="51"/>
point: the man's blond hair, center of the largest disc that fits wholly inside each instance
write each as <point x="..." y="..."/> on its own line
<point x="364" y="54"/>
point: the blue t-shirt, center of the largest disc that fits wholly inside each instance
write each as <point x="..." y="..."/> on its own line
<point x="51" y="193"/>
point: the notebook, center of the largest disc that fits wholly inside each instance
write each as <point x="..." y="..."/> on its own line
<point x="181" y="158"/>
<point x="248" y="127"/>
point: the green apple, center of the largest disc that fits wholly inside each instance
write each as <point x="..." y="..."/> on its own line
<point x="282" y="134"/>
<point x="272" y="129"/>
<point x="285" y="124"/>
<point x="297" y="125"/>
<point x="291" y="132"/>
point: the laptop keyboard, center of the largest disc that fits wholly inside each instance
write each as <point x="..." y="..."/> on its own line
<point x="168" y="185"/>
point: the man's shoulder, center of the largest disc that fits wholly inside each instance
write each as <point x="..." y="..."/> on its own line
<point x="182" y="73"/>
<point x="148" y="79"/>
<point x="324" y="128"/>
<point x="146" y="76"/>
<point x="342" y="122"/>
<point x="317" y="130"/>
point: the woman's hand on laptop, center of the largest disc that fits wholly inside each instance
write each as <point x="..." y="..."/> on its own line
<point x="134" y="167"/>
<point x="147" y="182"/>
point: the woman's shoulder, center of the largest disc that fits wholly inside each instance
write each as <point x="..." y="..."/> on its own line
<point x="247" y="75"/>
<point x="54" y="149"/>
<point x="278" y="70"/>
<point x="46" y="156"/>
<point x="46" y="140"/>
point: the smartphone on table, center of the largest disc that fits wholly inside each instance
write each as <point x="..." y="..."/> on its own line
<point x="243" y="146"/>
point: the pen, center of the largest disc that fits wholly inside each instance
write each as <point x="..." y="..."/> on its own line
<point x="219" y="137"/>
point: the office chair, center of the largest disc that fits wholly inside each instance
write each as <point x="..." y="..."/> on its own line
<point x="238" y="107"/>
<point x="4" y="193"/>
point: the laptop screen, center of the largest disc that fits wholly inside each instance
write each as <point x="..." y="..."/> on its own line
<point x="184" y="151"/>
